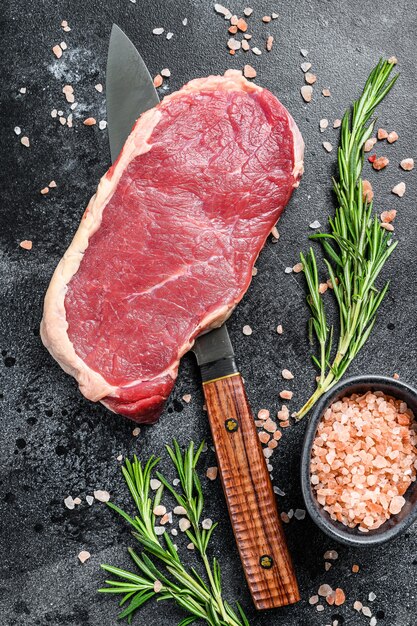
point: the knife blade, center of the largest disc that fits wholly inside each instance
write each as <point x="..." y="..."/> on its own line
<point x="129" y="89"/>
<point x="243" y="471"/>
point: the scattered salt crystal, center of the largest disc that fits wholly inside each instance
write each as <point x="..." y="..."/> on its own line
<point x="22" y="90"/>
<point x="25" y="141"/>
<point x="157" y="586"/>
<point x="174" y="532"/>
<point x="98" y="87"/>
<point x="326" y="93"/>
<point x="101" y="495"/>
<point x="267" y="452"/>
<point x="158" y="31"/>
<point x="369" y="144"/>
<point x="90" y="121"/>
<point x="176" y="481"/>
<point x="297" y="268"/>
<point x="77" y="500"/>
<point x="207" y="523"/>
<point x="256" y="51"/>
<point x="266" y="19"/>
<point x="63" y="45"/>
<point x="221" y="9"/>
<point x="165" y="72"/>
<point x="399" y="189"/>
<point x="319" y="608"/>
<point x="371" y="596"/>
<point x="84" y="555"/>
<point x="327" y="146"/>
<point x="179" y="510"/>
<point x="248" y="11"/>
<point x="185" y="21"/>
<point x="392" y="137"/>
<point x="57" y="50"/>
<point x="119" y="457"/>
<point x="89" y="500"/>
<point x="69" y="502"/>
<point x="287" y="374"/>
<point x="324" y="590"/>
<point x="310" y="78"/>
<point x="184" y="524"/>
<point x="279" y="492"/>
<point x="159" y="530"/>
<point x="313" y="600"/>
<point x="155" y="484"/>
<point x="233" y="44"/>
<point x="357" y="605"/>
<point x="17" y="130"/>
<point x="274" y="16"/>
<point x="307" y="92"/>
<point x="249" y="71"/>
<point x="102" y="124"/>
<point x="304" y="52"/>
<point x="247" y="330"/>
<point x="331" y="555"/>
<point x="288" y="270"/>
<point x="327" y="566"/>
<point x="285" y="394"/>
<point x="269" y="43"/>
<point x="62" y="120"/>
<point x="136" y="432"/>
<point x="393" y="60"/>
<point x="26" y="244"/>
<point x="324" y="124"/>
<point x="54" y="113"/>
<point x="74" y="105"/>
<point x="279" y="329"/>
<point x="315" y="224"/>
<point x="159" y="510"/>
<point x="337" y="123"/>
<point x="372" y="621"/>
<point x="366" y="611"/>
<point x="305" y="66"/>
<point x="407" y="164"/>
<point x="170" y="36"/>
<point x="299" y="514"/>
<point x="190" y="546"/>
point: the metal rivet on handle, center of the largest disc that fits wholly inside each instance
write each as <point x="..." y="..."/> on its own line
<point x="231" y="425"/>
<point x="266" y="561"/>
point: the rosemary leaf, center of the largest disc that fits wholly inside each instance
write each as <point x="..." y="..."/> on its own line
<point x="355" y="250"/>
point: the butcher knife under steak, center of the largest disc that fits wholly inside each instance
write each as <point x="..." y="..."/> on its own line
<point x="166" y="246"/>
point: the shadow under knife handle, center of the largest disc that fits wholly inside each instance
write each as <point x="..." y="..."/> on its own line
<point x="248" y="490"/>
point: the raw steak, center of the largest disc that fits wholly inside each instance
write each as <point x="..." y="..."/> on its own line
<point x="166" y="246"/>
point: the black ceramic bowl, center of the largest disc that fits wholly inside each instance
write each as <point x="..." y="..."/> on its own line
<point x="397" y="523"/>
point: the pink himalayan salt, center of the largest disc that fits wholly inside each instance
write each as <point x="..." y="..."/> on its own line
<point x="364" y="458"/>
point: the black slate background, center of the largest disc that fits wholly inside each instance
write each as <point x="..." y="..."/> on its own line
<point x="53" y="442"/>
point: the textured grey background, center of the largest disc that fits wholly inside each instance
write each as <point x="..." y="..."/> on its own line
<point x="53" y="442"/>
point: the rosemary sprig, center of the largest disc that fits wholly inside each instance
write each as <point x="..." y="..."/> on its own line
<point x="355" y="250"/>
<point x="161" y="573"/>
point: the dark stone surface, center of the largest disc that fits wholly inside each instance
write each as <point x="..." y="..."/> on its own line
<point x="55" y="443"/>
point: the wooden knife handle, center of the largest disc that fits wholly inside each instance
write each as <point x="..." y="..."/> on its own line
<point x="250" y="498"/>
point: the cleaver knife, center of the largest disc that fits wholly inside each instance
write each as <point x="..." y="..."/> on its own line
<point x="242" y="466"/>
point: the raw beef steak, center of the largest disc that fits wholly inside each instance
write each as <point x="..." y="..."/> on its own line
<point x="166" y="246"/>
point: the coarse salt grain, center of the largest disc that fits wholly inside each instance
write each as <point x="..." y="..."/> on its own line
<point x="285" y="394"/>
<point x="158" y="31"/>
<point x="369" y="144"/>
<point x="280" y="329"/>
<point x="84" y="555"/>
<point x="207" y="523"/>
<point x="17" y="130"/>
<point x="305" y="66"/>
<point x="297" y="268"/>
<point x="155" y="484"/>
<point x="249" y="71"/>
<point x="25" y="141"/>
<point x="184" y="524"/>
<point x="287" y="374"/>
<point x="89" y="500"/>
<point x="89" y="121"/>
<point x="307" y="93"/>
<point x="315" y="224"/>
<point x="102" y="124"/>
<point x="136" y="432"/>
<point x="57" y="50"/>
<point x="256" y="51"/>
<point x="159" y="510"/>
<point x="407" y="164"/>
<point x="101" y="495"/>
<point x="211" y="473"/>
<point x="98" y="87"/>
<point x="323" y="124"/>
<point x="179" y="510"/>
<point x="247" y="330"/>
<point x="157" y="586"/>
<point x="327" y="146"/>
<point x="399" y="189"/>
<point x="337" y="123"/>
<point x="69" y="503"/>
<point x="392" y="137"/>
